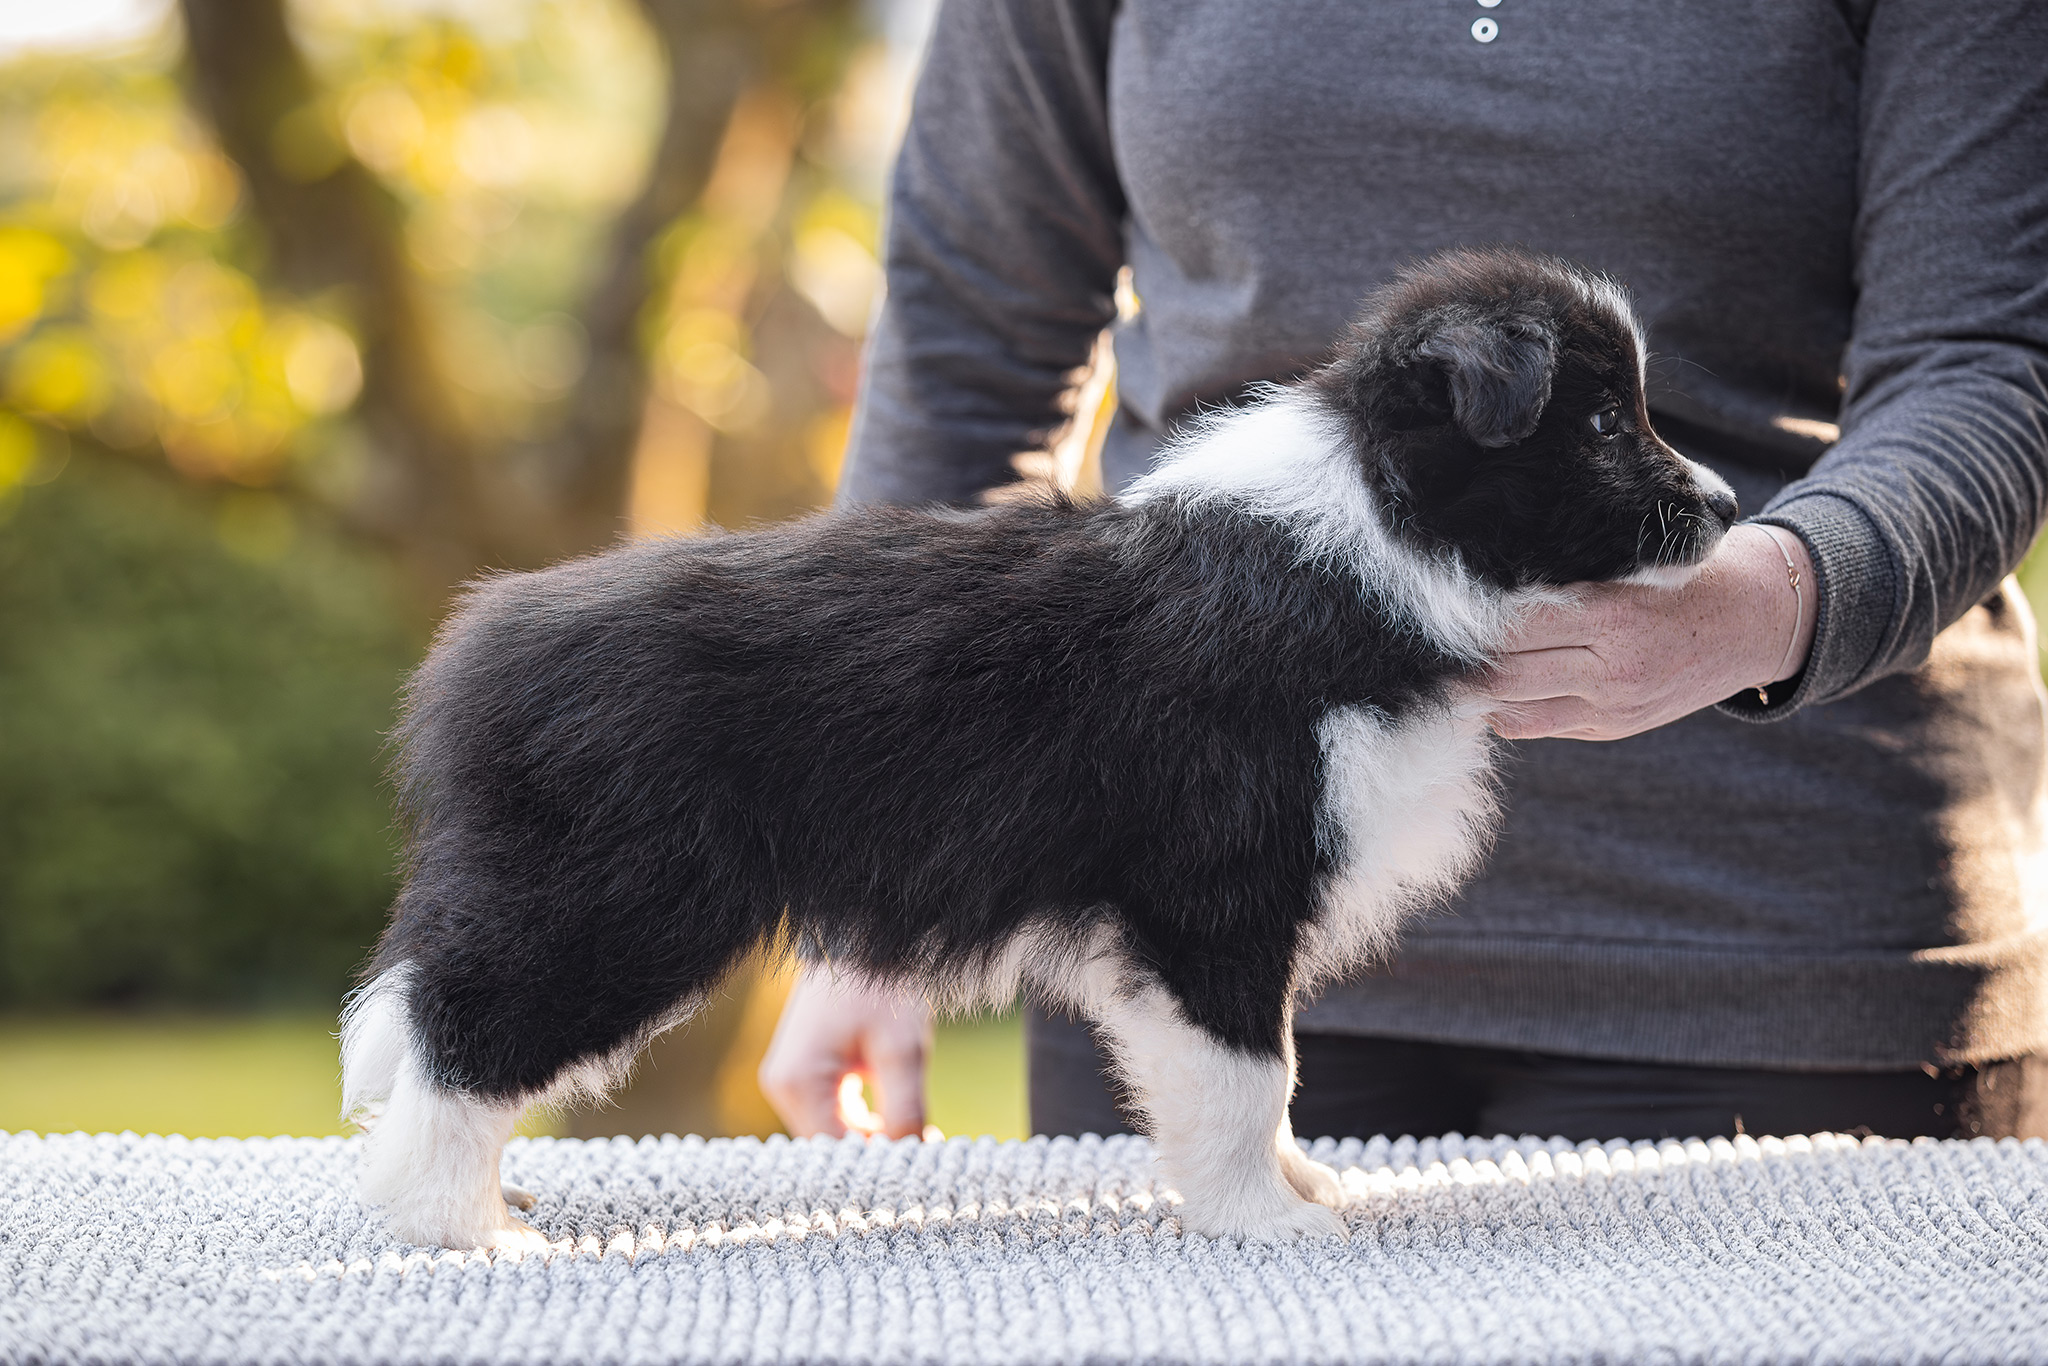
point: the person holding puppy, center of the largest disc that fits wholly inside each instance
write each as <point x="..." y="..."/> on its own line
<point x="1798" y="886"/>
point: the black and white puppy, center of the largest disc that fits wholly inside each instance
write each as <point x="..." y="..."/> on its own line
<point x="1170" y="759"/>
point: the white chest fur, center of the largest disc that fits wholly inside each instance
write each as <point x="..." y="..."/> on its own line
<point x="1408" y="808"/>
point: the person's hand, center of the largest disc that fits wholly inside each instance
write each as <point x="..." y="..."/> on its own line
<point x="835" y="1034"/>
<point x="1624" y="659"/>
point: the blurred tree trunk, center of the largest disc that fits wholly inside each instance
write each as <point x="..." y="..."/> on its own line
<point x="450" y="505"/>
<point x="447" y="503"/>
<point x="331" y="225"/>
<point x="712" y="54"/>
<point x="723" y="56"/>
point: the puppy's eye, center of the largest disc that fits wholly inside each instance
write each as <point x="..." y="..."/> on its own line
<point x="1606" y="422"/>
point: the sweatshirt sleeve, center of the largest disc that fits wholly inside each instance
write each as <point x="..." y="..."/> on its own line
<point x="1004" y="239"/>
<point x="1939" y="481"/>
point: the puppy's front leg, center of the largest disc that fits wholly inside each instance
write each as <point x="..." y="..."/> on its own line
<point x="1218" y="1117"/>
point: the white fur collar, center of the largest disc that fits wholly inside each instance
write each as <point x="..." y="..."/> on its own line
<point x="1286" y="458"/>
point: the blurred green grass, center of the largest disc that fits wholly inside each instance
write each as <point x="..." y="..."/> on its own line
<point x="198" y="1076"/>
<point x="238" y="1076"/>
<point x="977" y="1077"/>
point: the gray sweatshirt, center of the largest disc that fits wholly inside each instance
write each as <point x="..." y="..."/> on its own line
<point x="1831" y="213"/>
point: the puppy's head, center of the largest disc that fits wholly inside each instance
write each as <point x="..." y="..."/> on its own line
<point x="1496" y="400"/>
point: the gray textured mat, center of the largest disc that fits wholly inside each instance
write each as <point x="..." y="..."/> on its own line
<point x="152" y="1249"/>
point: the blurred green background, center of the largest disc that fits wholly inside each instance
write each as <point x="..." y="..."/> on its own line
<point x="308" y="312"/>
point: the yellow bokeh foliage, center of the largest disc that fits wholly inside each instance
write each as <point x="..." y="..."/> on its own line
<point x="123" y="309"/>
<point x="134" y="303"/>
<point x="29" y="262"/>
<point x="132" y="298"/>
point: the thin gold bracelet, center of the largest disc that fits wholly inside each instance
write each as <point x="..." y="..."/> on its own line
<point x="1763" y="693"/>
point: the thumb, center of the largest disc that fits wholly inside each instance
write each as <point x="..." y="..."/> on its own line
<point x="805" y="1097"/>
<point x="801" y="1071"/>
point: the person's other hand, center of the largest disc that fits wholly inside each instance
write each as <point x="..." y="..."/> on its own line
<point x="1623" y="659"/>
<point x="835" y="1034"/>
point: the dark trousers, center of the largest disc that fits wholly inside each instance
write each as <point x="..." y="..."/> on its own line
<point x="1359" y="1086"/>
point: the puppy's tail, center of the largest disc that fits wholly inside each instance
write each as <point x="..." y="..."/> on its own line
<point x="374" y="1042"/>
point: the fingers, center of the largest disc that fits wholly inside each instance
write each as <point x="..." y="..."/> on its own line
<point x="832" y="1034"/>
<point x="1545" y="718"/>
<point x="807" y="1105"/>
<point x="897" y="1067"/>
<point x="815" y="1044"/>
<point x="1596" y="611"/>
<point x="1567" y="718"/>
<point x="1585" y="618"/>
<point x="1546" y="628"/>
<point x="801" y="1080"/>
<point x="1535" y="675"/>
<point x="1628" y="658"/>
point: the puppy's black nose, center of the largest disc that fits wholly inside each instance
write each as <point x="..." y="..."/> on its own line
<point x="1723" y="505"/>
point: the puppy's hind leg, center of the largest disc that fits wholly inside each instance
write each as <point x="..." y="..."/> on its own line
<point x="432" y="1165"/>
<point x="431" y="1156"/>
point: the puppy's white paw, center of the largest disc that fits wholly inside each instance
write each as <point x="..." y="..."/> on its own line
<point x="498" y="1233"/>
<point x="1278" y="1222"/>
<point x="1309" y="1221"/>
<point x="518" y="1197"/>
<point x="1311" y="1180"/>
<point x="517" y="1237"/>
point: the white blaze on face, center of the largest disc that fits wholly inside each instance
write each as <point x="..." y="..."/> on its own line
<point x="1710" y="483"/>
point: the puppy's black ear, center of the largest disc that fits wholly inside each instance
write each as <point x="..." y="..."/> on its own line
<point x="1499" y="376"/>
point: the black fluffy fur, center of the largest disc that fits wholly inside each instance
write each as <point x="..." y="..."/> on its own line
<point x="899" y="735"/>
